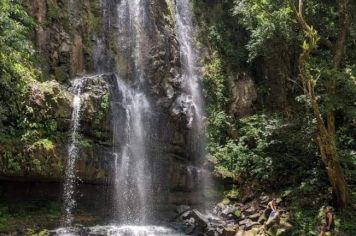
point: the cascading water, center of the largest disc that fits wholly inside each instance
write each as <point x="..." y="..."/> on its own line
<point x="70" y="173"/>
<point x="100" y="55"/>
<point x="132" y="19"/>
<point x="131" y="113"/>
<point x="192" y="98"/>
<point x="190" y="70"/>
<point x="132" y="179"/>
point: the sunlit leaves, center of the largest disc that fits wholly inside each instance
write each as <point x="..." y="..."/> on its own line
<point x="16" y="52"/>
<point x="265" y="20"/>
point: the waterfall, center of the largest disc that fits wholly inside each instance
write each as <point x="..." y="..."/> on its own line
<point x="131" y="112"/>
<point x="191" y="97"/>
<point x="101" y="58"/>
<point x="132" y="179"/>
<point x="190" y="70"/>
<point x="72" y="155"/>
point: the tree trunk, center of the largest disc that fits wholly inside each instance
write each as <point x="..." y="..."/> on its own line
<point x="326" y="139"/>
<point x="334" y="170"/>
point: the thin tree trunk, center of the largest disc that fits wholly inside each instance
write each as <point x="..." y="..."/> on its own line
<point x="334" y="170"/>
<point x="326" y="139"/>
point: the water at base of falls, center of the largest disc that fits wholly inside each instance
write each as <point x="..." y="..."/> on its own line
<point x="123" y="230"/>
<point x="131" y="230"/>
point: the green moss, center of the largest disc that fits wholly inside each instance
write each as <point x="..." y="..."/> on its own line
<point x="92" y="22"/>
<point x="11" y="161"/>
<point x="46" y="144"/>
<point x="53" y="12"/>
<point x="171" y="7"/>
<point x="232" y="194"/>
<point x="237" y="213"/>
<point x="103" y="109"/>
<point x="225" y="201"/>
<point x="84" y="143"/>
<point x="60" y="74"/>
<point x="32" y="232"/>
<point x="168" y="15"/>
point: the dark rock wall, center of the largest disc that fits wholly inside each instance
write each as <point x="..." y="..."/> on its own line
<point x="82" y="39"/>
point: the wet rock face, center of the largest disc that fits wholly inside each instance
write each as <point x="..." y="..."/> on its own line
<point x="95" y="130"/>
<point x="51" y="98"/>
<point x="164" y="62"/>
<point x="244" y="95"/>
<point x="49" y="109"/>
<point x="64" y="36"/>
<point x="77" y="58"/>
<point x="87" y="41"/>
<point x="50" y="38"/>
<point x="38" y="9"/>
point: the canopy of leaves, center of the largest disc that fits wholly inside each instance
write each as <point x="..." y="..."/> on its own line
<point x="266" y="20"/>
<point x="16" y="68"/>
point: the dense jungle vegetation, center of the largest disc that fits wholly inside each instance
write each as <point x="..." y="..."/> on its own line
<point x="298" y="139"/>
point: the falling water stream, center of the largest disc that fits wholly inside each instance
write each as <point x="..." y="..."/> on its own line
<point x="192" y="97"/>
<point x="72" y="155"/>
<point x="131" y="111"/>
<point x="190" y="69"/>
<point x="132" y="179"/>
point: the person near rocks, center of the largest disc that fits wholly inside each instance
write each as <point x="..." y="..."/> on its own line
<point x="272" y="213"/>
<point x="328" y="217"/>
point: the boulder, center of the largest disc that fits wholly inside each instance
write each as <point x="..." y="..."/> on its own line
<point x="200" y="219"/>
<point x="247" y="224"/>
<point x="229" y="232"/>
<point x="249" y="210"/>
<point x="254" y="217"/>
<point x="250" y="225"/>
<point x="189" y="229"/>
<point x="186" y="215"/>
<point x="227" y="210"/>
<point x="212" y="232"/>
<point x="182" y="209"/>
<point x="245" y="233"/>
<point x="264" y="199"/>
<point x="283" y="232"/>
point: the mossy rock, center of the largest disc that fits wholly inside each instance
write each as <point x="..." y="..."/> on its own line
<point x="237" y="213"/>
<point x="61" y="74"/>
<point x="272" y="231"/>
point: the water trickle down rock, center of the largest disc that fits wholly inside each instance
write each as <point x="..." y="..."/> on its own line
<point x="70" y="172"/>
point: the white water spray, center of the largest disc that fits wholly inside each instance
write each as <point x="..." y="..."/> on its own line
<point x="129" y="230"/>
<point x="72" y="155"/>
<point x="189" y="58"/>
<point x="132" y="179"/>
<point x="192" y="99"/>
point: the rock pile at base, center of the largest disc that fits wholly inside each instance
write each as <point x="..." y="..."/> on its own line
<point x="233" y="219"/>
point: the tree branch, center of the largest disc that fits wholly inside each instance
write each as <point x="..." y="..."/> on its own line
<point x="306" y="27"/>
<point x="344" y="24"/>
